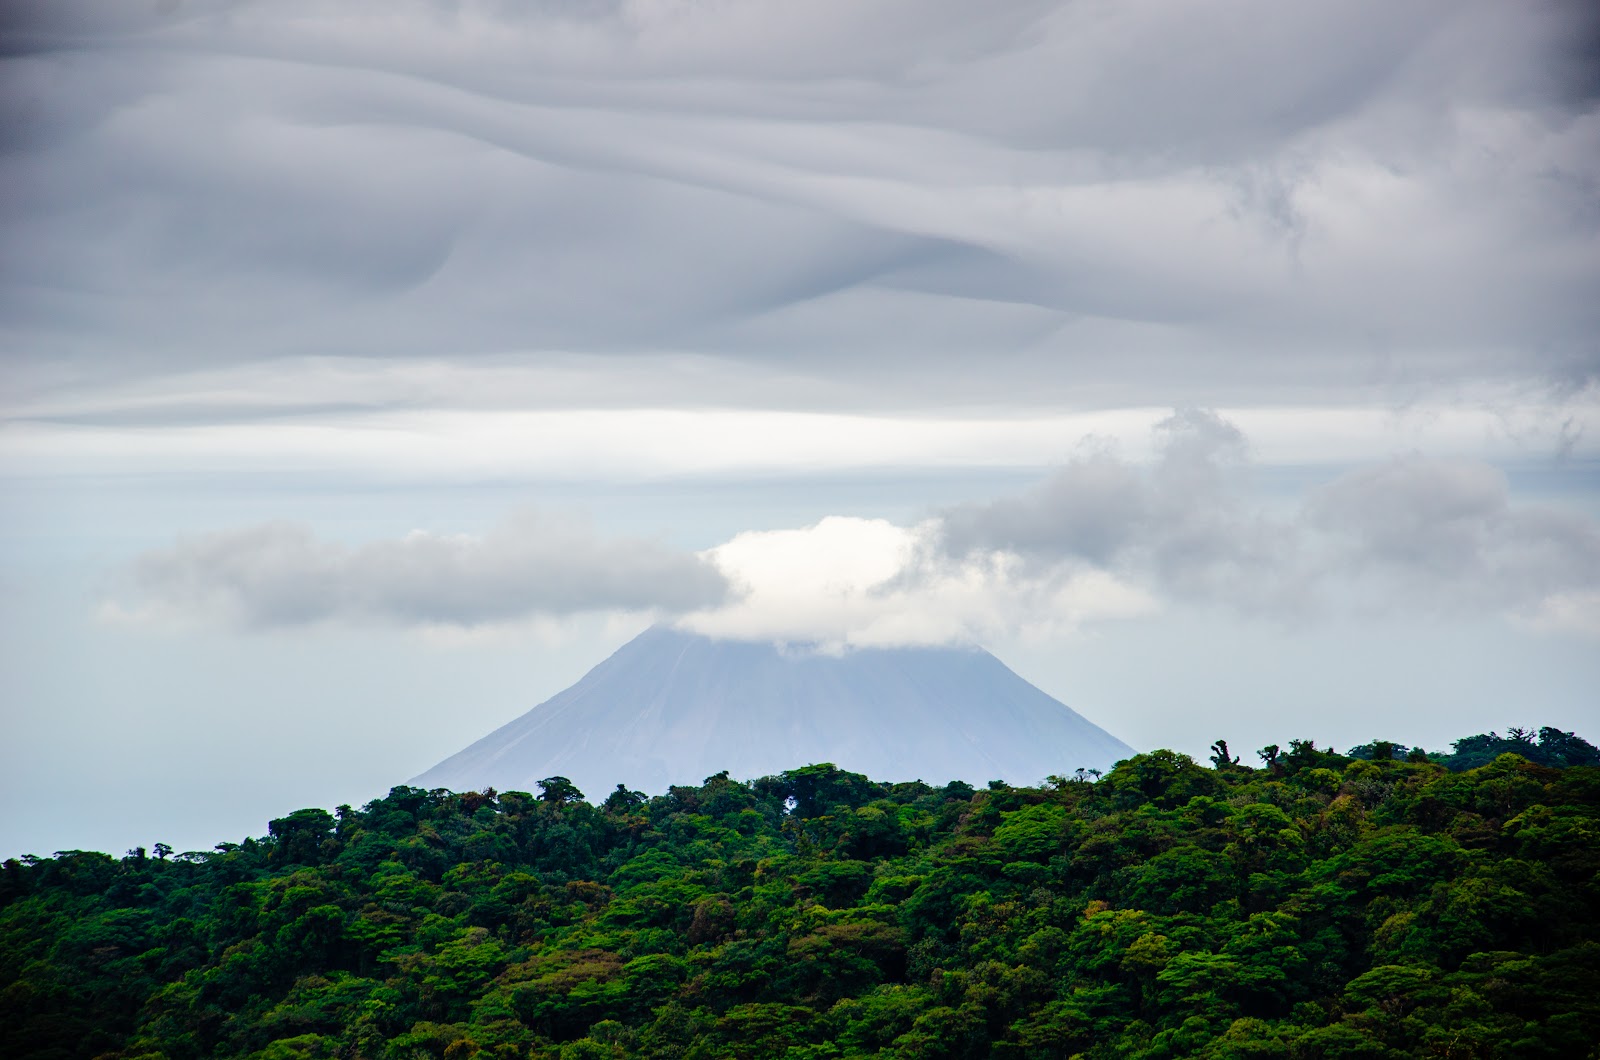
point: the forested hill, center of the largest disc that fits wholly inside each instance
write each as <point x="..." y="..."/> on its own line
<point x="1316" y="906"/>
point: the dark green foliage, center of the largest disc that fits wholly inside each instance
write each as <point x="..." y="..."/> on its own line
<point x="1318" y="906"/>
<point x="1552" y="747"/>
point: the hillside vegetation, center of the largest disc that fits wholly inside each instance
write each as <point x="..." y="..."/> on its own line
<point x="1316" y="906"/>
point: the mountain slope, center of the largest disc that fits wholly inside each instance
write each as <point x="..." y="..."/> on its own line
<point x="673" y="708"/>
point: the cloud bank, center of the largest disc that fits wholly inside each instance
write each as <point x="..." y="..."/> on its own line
<point x="280" y="575"/>
<point x="1412" y="534"/>
<point x="1101" y="538"/>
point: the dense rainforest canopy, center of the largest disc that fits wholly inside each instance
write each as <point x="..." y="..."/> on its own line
<point x="1315" y="905"/>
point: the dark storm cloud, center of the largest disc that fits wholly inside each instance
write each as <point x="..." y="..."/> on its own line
<point x="1409" y="535"/>
<point x="1134" y="198"/>
<point x="280" y="575"/>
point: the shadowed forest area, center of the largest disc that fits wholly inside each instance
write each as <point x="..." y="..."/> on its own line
<point x="1385" y="903"/>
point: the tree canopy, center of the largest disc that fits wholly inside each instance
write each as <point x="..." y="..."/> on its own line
<point x="1314" y="905"/>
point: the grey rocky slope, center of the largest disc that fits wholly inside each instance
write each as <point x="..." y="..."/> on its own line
<point x="673" y="708"/>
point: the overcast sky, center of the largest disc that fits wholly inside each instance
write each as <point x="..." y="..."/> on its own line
<point x="371" y="370"/>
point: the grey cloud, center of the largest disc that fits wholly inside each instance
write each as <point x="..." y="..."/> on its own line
<point x="1239" y="198"/>
<point x="280" y="575"/>
<point x="1090" y="509"/>
<point x="1414" y="512"/>
<point x="1099" y="507"/>
<point x="1410" y="535"/>
<point x="1448" y="530"/>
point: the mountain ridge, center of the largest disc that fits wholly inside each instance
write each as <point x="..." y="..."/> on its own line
<point x="671" y="707"/>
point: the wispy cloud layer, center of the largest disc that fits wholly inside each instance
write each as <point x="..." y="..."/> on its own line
<point x="335" y="427"/>
<point x="1143" y="202"/>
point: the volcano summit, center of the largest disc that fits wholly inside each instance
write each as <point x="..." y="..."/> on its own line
<point x="671" y="707"/>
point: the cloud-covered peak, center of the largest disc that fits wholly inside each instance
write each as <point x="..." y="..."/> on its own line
<point x="848" y="583"/>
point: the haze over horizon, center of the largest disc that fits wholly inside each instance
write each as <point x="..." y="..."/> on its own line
<point x="370" y="374"/>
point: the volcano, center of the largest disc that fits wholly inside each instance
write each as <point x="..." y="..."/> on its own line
<point x="671" y="707"/>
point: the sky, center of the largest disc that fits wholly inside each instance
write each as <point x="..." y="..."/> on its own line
<point x="370" y="371"/>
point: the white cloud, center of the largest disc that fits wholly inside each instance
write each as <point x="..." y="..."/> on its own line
<point x="561" y="420"/>
<point x="855" y="583"/>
